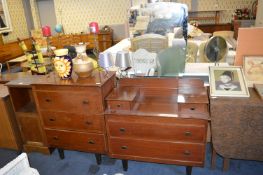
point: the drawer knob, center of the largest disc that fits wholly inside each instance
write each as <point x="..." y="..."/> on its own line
<point x="85" y="102"/>
<point x="118" y="105"/>
<point x="124" y="147"/>
<point x="91" y="142"/>
<point x="52" y="119"/>
<point x="187" y="153"/>
<point x="122" y="129"/>
<point x="88" y="123"/>
<point x="47" y="100"/>
<point x="192" y="109"/>
<point x="188" y="133"/>
<point x="55" y="138"/>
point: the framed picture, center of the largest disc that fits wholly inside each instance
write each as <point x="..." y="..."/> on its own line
<point x="253" y="69"/>
<point x="5" y="22"/>
<point x="227" y="81"/>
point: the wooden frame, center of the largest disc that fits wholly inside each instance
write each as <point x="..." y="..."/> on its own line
<point x="4" y="13"/>
<point x="253" y="69"/>
<point x="227" y="81"/>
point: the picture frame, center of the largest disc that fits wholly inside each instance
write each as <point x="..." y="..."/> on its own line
<point x="5" y="17"/>
<point x="253" y="69"/>
<point x="227" y="81"/>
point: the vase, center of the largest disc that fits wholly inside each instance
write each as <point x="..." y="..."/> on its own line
<point x="63" y="63"/>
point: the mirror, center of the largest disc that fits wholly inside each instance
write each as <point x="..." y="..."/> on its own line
<point x="216" y="49"/>
<point x="5" y="23"/>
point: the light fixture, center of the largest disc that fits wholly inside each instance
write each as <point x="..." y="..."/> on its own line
<point x="123" y="62"/>
<point x="105" y="60"/>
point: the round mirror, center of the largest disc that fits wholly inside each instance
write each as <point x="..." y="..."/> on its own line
<point x="216" y="49"/>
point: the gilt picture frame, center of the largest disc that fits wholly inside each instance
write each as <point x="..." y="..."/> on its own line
<point x="5" y="21"/>
<point x="253" y="69"/>
<point x="227" y="81"/>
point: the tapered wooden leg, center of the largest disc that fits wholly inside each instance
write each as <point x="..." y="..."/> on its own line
<point x="213" y="159"/>
<point x="124" y="165"/>
<point x="61" y="153"/>
<point x="98" y="158"/>
<point x="188" y="170"/>
<point x="226" y="164"/>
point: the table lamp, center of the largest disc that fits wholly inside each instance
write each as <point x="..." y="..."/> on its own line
<point x="123" y="62"/>
<point x="105" y="60"/>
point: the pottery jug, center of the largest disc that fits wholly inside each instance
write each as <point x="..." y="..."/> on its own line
<point x="63" y="63"/>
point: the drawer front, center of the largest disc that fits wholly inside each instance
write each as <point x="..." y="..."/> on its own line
<point x="72" y="102"/>
<point x="192" y="107"/>
<point x="119" y="105"/>
<point x="157" y="150"/>
<point x="72" y="121"/>
<point x="76" y="140"/>
<point x="152" y="128"/>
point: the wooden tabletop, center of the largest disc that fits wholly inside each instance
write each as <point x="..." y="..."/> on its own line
<point x="4" y="78"/>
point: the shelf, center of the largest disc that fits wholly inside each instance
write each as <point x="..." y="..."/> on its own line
<point x="28" y="108"/>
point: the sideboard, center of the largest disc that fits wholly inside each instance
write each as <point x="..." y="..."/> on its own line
<point x="158" y="120"/>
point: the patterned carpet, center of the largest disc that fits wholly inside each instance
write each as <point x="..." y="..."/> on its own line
<point x="79" y="163"/>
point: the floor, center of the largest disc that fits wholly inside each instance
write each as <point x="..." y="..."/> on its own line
<point x="79" y="163"/>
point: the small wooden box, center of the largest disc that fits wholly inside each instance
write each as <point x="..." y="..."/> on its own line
<point x="122" y="98"/>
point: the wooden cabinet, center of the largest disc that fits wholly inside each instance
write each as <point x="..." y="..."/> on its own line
<point x="72" y="115"/>
<point x="27" y="117"/>
<point x="9" y="132"/>
<point x="165" y="121"/>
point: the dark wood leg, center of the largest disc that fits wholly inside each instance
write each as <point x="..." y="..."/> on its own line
<point x="213" y="158"/>
<point x="61" y="153"/>
<point x="226" y="164"/>
<point x="98" y="158"/>
<point x="188" y="170"/>
<point x="125" y="165"/>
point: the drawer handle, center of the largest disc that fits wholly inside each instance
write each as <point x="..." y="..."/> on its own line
<point x="188" y="133"/>
<point x="192" y="109"/>
<point x="48" y="100"/>
<point x="52" y="119"/>
<point x="187" y="153"/>
<point x="122" y="129"/>
<point x="91" y="142"/>
<point x="55" y="138"/>
<point x="118" y="105"/>
<point x="124" y="147"/>
<point x="88" y="123"/>
<point x="85" y="102"/>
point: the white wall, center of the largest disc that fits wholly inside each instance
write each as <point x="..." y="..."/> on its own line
<point x="259" y="19"/>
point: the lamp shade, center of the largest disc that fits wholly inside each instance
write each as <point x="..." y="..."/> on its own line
<point x="122" y="59"/>
<point x="105" y="60"/>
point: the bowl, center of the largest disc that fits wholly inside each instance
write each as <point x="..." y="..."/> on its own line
<point x="82" y="67"/>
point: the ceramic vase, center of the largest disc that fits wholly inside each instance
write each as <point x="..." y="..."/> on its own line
<point x="63" y="63"/>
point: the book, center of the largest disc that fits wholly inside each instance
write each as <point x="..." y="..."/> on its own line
<point x="259" y="89"/>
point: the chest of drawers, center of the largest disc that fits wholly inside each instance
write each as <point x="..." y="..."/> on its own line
<point x="166" y="124"/>
<point x="72" y="115"/>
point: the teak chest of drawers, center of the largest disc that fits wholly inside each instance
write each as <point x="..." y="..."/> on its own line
<point x="73" y="114"/>
<point x="158" y="120"/>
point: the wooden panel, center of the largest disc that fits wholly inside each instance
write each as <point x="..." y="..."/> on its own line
<point x="151" y="128"/>
<point x="76" y="140"/>
<point x="211" y="28"/>
<point x="169" y="151"/>
<point x="72" y="121"/>
<point x="192" y="107"/>
<point x="89" y="102"/>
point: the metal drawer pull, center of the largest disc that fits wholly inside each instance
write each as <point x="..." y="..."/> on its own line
<point x="187" y="153"/>
<point x="188" y="133"/>
<point x="91" y="142"/>
<point x="192" y="108"/>
<point x="52" y="119"/>
<point x="48" y="100"/>
<point x="55" y="137"/>
<point x="124" y="147"/>
<point x="122" y="129"/>
<point x="85" y="102"/>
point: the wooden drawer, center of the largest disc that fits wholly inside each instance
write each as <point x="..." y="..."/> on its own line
<point x="72" y="121"/>
<point x="120" y="105"/>
<point x="192" y="107"/>
<point x="169" y="151"/>
<point x="152" y="128"/>
<point x="88" y="102"/>
<point x="76" y="140"/>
